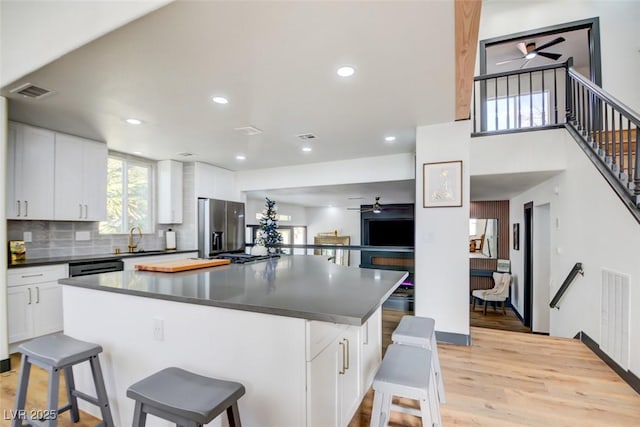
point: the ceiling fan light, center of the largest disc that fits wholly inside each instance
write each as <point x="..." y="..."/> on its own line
<point x="531" y="55"/>
<point x="376" y="210"/>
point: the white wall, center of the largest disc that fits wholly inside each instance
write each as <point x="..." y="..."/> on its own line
<point x="589" y="224"/>
<point x="347" y="222"/>
<point x="4" y="333"/>
<point x="542" y="270"/>
<point x="34" y="33"/>
<point x="441" y="248"/>
<point x="298" y="213"/>
<point x="395" y="167"/>
<point x="619" y="34"/>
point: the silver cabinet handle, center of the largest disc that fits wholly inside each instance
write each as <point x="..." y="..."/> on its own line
<point x="342" y="371"/>
<point x="346" y="359"/>
<point x="37" y="295"/>
<point x="26" y="208"/>
<point x="86" y="211"/>
<point x="24" y="276"/>
<point x="18" y="208"/>
<point x="366" y="333"/>
<point x="29" y="289"/>
<point x="80" y="206"/>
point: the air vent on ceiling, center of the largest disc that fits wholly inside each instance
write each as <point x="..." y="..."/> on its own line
<point x="185" y="154"/>
<point x="249" y="130"/>
<point x="306" y="136"/>
<point x="30" y="90"/>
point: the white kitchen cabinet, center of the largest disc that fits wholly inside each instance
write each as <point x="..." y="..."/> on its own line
<point x="334" y="380"/>
<point x="371" y="348"/>
<point x="30" y="172"/>
<point x="80" y="179"/>
<point x="129" y="263"/>
<point x="169" y="192"/>
<point x="35" y="301"/>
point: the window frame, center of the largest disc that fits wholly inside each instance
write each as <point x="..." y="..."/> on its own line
<point x="129" y="160"/>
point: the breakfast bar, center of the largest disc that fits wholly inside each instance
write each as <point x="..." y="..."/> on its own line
<point x="301" y="334"/>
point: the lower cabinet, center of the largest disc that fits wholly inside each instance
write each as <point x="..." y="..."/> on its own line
<point x="341" y="372"/>
<point x="34" y="301"/>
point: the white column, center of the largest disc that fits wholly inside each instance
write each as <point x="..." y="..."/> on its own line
<point x="4" y="332"/>
<point x="442" y="233"/>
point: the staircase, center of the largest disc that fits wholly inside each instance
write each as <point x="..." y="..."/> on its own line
<point x="558" y="96"/>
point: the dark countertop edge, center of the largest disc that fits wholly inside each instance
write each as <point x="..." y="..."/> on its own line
<point x="323" y="317"/>
<point x="87" y="258"/>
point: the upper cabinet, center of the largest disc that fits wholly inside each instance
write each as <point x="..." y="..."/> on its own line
<point x="30" y="172"/>
<point x="169" y="192"/>
<point x="53" y="176"/>
<point x="80" y="179"/>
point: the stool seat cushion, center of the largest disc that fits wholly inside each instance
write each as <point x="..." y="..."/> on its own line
<point x="414" y="330"/>
<point x="59" y="350"/>
<point x="186" y="394"/>
<point x="404" y="371"/>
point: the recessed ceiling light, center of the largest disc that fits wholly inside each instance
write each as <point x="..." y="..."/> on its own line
<point x="306" y="149"/>
<point x="241" y="157"/>
<point x="346" y="71"/>
<point x="220" y="100"/>
<point x="137" y="152"/>
<point x="389" y="138"/>
<point x="134" y="121"/>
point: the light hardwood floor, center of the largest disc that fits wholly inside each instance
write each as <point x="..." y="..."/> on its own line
<point x="503" y="379"/>
<point x="495" y="319"/>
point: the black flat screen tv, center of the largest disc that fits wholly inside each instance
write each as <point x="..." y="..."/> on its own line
<point x="391" y="232"/>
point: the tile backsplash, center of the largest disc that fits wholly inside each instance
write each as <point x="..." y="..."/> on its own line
<point x="60" y="238"/>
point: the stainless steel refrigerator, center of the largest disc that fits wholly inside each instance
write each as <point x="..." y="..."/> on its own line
<point x="221" y="227"/>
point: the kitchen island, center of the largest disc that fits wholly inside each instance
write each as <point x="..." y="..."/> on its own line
<point x="303" y="335"/>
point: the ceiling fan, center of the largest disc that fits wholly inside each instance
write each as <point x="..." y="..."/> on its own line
<point x="376" y="208"/>
<point x="530" y="51"/>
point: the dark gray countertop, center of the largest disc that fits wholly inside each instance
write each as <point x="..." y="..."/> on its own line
<point x="300" y="286"/>
<point x="34" y="262"/>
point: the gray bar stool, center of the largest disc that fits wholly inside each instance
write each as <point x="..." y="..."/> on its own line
<point x="184" y="398"/>
<point x="404" y="373"/>
<point x="421" y="332"/>
<point x="57" y="353"/>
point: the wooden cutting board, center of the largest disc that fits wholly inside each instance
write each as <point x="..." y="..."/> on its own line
<point x="181" y="265"/>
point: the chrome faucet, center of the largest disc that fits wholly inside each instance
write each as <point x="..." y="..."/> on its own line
<point x="133" y="246"/>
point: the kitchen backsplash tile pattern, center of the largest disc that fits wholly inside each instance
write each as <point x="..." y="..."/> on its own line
<point x="58" y="238"/>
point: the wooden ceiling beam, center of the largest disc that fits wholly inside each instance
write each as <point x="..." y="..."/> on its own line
<point x="467" y="25"/>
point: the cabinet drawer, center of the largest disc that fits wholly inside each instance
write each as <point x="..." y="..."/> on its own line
<point x="30" y="275"/>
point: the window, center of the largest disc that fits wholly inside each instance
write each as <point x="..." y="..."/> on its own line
<point x="523" y="111"/>
<point x="286" y="231"/>
<point x="129" y="195"/>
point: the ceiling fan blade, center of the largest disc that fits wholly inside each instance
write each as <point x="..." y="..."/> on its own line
<point x="525" y="64"/>
<point x="509" y="60"/>
<point x="554" y="56"/>
<point x="522" y="48"/>
<point x="551" y="43"/>
<point x="354" y="209"/>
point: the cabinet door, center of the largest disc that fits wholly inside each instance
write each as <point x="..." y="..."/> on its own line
<point x="323" y="408"/>
<point x="371" y="349"/>
<point x="12" y="199"/>
<point x="169" y="192"/>
<point x="69" y="161"/>
<point x="20" y="301"/>
<point x="95" y="181"/>
<point x="350" y="380"/>
<point x="33" y="176"/>
<point x="47" y="308"/>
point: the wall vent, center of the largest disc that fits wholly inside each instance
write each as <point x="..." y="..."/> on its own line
<point x="306" y="136"/>
<point x="249" y="130"/>
<point x="615" y="317"/>
<point x="32" y="91"/>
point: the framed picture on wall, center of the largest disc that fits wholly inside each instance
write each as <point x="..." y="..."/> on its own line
<point x="516" y="236"/>
<point x="442" y="184"/>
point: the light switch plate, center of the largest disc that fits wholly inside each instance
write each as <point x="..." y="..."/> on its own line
<point x="27" y="237"/>
<point x="83" y="235"/>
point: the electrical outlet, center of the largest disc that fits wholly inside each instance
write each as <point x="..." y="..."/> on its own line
<point x="160" y="233"/>
<point x="158" y="329"/>
<point x="27" y="237"/>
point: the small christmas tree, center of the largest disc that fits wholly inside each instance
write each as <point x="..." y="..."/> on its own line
<point x="268" y="234"/>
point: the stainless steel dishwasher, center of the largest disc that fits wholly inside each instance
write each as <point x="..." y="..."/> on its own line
<point x="85" y="268"/>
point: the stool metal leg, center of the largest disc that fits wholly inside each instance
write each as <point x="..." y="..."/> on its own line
<point x="71" y="398"/>
<point x="52" y="399"/>
<point x="139" y="416"/>
<point x="21" y="395"/>
<point x="233" y="414"/>
<point x="101" y="391"/>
